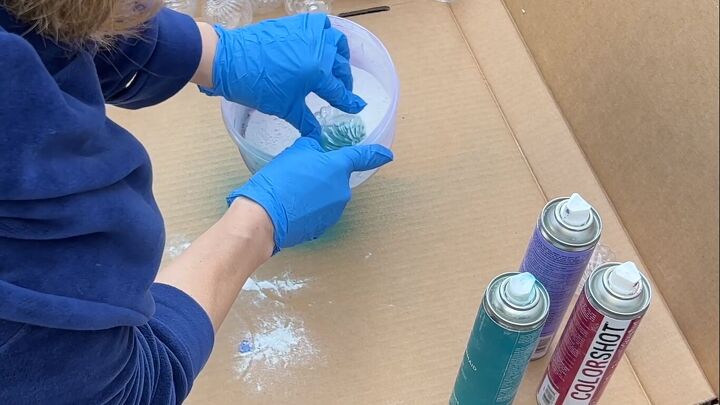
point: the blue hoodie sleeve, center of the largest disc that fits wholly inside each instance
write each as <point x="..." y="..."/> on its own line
<point x="146" y="70"/>
<point x="153" y="363"/>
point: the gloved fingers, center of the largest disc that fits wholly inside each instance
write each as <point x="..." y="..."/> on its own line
<point x="315" y="23"/>
<point x="303" y="119"/>
<point x="327" y="20"/>
<point x="340" y="41"/>
<point x="342" y="70"/>
<point x="341" y="64"/>
<point x="307" y="142"/>
<point x="360" y="158"/>
<point x="334" y="92"/>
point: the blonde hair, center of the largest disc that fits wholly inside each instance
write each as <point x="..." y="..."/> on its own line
<point x="81" y="22"/>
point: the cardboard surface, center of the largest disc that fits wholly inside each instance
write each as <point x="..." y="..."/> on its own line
<point x="638" y="83"/>
<point x="560" y="168"/>
<point x="379" y="310"/>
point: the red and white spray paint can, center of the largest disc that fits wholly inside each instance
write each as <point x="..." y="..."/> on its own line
<point x="605" y="317"/>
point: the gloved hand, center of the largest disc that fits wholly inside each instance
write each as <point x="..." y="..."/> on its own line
<point x="273" y="65"/>
<point x="304" y="190"/>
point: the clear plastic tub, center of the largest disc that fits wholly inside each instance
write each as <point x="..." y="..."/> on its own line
<point x="367" y="53"/>
<point x="307" y="6"/>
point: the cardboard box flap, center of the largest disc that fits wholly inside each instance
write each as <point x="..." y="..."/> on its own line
<point x="659" y="354"/>
<point x="638" y="83"/>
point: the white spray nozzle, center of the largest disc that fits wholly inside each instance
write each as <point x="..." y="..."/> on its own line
<point x="624" y="279"/>
<point x="575" y="211"/>
<point x="520" y="289"/>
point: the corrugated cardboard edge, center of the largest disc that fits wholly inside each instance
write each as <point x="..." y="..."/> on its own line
<point x="660" y="356"/>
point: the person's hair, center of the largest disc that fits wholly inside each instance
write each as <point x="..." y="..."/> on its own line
<point x="80" y="22"/>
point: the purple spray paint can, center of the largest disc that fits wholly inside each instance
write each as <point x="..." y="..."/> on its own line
<point x="560" y="248"/>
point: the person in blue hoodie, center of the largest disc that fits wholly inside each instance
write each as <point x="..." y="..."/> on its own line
<point x="86" y="316"/>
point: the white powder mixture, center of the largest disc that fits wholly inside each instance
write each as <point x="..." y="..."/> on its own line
<point x="175" y="245"/>
<point x="278" y="343"/>
<point x="267" y="343"/>
<point x="272" y="336"/>
<point x="277" y="285"/>
<point x="272" y="135"/>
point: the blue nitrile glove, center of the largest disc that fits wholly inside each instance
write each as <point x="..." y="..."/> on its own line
<point x="304" y="189"/>
<point x="273" y="65"/>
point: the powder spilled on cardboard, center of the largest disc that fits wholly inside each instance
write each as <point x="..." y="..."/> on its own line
<point x="275" y="344"/>
<point x="175" y="245"/>
<point x="279" y="285"/>
<point x="274" y="338"/>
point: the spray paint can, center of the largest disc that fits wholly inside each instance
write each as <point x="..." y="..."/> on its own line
<point x="614" y="300"/>
<point x="502" y="340"/>
<point x="560" y="248"/>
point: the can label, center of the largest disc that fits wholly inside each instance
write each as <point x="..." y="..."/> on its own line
<point x="543" y="346"/>
<point x="493" y="363"/>
<point x="588" y="352"/>
<point x="560" y="272"/>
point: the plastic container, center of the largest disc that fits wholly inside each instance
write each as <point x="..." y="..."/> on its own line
<point x="228" y="13"/>
<point x="307" y="6"/>
<point x="188" y="7"/>
<point x="367" y="53"/>
<point x="265" y="6"/>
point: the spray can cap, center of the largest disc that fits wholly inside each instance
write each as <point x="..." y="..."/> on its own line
<point x="624" y="279"/>
<point x="575" y="211"/>
<point x="520" y="289"/>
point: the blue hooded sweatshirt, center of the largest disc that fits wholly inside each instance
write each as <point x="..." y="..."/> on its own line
<point x="81" y="237"/>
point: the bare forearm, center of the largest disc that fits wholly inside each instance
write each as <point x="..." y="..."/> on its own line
<point x="215" y="267"/>
<point x="203" y="75"/>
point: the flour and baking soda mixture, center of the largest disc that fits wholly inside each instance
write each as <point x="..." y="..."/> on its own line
<point x="272" y="135"/>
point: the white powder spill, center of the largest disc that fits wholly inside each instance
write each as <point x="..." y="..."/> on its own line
<point x="278" y="343"/>
<point x="278" y="285"/>
<point x="272" y="135"/>
<point x="274" y="289"/>
<point x="272" y="338"/>
<point x="176" y="245"/>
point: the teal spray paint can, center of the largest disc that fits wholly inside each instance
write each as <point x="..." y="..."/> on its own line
<point x="505" y="335"/>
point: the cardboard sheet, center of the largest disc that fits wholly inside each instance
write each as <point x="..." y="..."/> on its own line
<point x="379" y="310"/>
<point x="638" y="82"/>
<point x="560" y="168"/>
